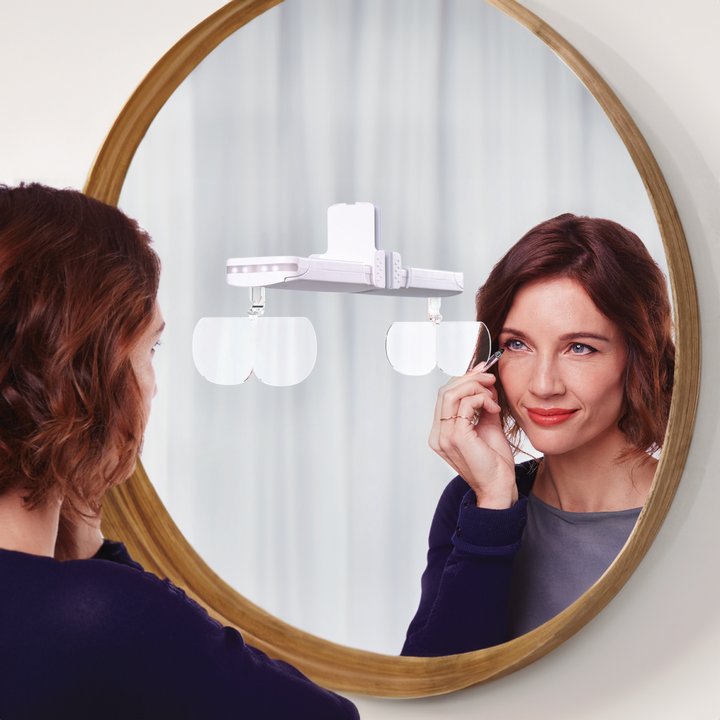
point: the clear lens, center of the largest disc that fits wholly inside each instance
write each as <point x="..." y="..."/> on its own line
<point x="456" y="342"/>
<point x="281" y="351"/>
<point x="224" y="349"/>
<point x="286" y="350"/>
<point x="415" y="348"/>
<point x="410" y="347"/>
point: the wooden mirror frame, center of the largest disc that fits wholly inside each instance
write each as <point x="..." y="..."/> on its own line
<point x="134" y="513"/>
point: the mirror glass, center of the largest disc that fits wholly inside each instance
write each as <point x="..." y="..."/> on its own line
<point x="315" y="500"/>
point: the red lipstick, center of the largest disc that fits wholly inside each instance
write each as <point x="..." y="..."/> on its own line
<point x="549" y="416"/>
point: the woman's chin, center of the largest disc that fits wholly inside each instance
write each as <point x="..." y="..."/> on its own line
<point x="551" y="442"/>
<point x="554" y="441"/>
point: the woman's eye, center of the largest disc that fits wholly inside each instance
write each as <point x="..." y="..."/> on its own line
<point x="156" y="346"/>
<point x="580" y="349"/>
<point x="515" y="344"/>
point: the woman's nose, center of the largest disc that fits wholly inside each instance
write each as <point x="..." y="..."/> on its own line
<point x="546" y="379"/>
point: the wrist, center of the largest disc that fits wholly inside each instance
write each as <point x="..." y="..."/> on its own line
<point x="497" y="493"/>
<point x="496" y="501"/>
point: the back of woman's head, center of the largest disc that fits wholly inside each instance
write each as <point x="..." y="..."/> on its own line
<point x="626" y="285"/>
<point x="78" y="281"/>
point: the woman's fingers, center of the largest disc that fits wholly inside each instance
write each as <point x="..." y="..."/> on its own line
<point x="476" y="449"/>
<point x="469" y="384"/>
<point x="463" y="425"/>
<point x="466" y="430"/>
<point x="458" y="434"/>
<point x="451" y="398"/>
<point x="462" y="397"/>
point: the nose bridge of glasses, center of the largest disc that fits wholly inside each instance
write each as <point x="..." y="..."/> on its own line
<point x="280" y="351"/>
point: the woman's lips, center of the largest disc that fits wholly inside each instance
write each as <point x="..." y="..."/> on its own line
<point x="549" y="416"/>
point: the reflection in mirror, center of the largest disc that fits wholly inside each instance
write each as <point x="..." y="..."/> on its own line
<point x="415" y="348"/>
<point x="512" y="546"/>
<point x="315" y="500"/>
<point x="278" y="351"/>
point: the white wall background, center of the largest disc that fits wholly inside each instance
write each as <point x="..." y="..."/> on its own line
<point x="66" y="70"/>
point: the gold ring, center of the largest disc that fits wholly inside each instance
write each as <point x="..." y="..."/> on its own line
<point x="473" y="420"/>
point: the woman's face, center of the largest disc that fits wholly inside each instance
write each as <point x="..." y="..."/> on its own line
<point x="142" y="358"/>
<point x="563" y="371"/>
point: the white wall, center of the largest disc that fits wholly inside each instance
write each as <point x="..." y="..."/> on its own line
<point x="65" y="71"/>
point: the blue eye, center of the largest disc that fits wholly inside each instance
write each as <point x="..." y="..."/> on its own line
<point x="580" y="349"/>
<point x="515" y="344"/>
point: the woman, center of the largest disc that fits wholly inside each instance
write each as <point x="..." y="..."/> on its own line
<point x="582" y="314"/>
<point x="84" y="631"/>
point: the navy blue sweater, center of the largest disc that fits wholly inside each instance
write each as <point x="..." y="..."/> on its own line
<point x="466" y="584"/>
<point x="101" y="639"/>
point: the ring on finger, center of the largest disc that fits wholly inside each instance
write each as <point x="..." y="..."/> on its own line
<point x="473" y="420"/>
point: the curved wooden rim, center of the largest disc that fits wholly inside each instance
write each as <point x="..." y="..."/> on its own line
<point x="134" y="512"/>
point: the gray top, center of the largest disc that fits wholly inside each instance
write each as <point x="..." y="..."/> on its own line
<point x="562" y="555"/>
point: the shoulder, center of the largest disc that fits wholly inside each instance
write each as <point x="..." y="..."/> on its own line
<point x="99" y="628"/>
<point x="131" y="594"/>
<point x="120" y="622"/>
<point x="93" y="600"/>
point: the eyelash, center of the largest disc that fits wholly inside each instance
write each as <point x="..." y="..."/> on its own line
<point x="508" y="343"/>
<point x="157" y="345"/>
<point x="583" y="345"/>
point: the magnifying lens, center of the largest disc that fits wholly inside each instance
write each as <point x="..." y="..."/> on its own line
<point x="280" y="351"/>
<point x="417" y="348"/>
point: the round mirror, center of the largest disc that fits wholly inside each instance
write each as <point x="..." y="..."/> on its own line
<point x="314" y="501"/>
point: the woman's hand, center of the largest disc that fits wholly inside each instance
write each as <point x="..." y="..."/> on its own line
<point x="480" y="453"/>
<point x="78" y="538"/>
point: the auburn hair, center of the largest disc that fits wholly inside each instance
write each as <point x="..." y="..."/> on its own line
<point x="78" y="281"/>
<point x="626" y="285"/>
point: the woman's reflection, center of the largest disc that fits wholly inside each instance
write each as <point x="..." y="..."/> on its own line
<point x="583" y="315"/>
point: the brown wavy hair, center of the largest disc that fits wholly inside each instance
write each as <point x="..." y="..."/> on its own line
<point x="626" y="285"/>
<point x="78" y="281"/>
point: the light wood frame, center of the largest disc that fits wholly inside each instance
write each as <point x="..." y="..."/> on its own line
<point x="134" y="513"/>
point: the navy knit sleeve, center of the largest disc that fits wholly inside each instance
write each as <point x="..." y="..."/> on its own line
<point x="466" y="584"/>
<point x="101" y="638"/>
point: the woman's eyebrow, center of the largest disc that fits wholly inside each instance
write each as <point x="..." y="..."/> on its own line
<point x="584" y="335"/>
<point x="160" y="329"/>
<point x="510" y="331"/>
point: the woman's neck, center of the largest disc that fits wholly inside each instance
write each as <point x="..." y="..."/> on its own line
<point x="29" y="531"/>
<point x="590" y="479"/>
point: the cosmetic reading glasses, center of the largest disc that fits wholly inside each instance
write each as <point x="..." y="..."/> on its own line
<point x="282" y="351"/>
<point x="417" y="348"/>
